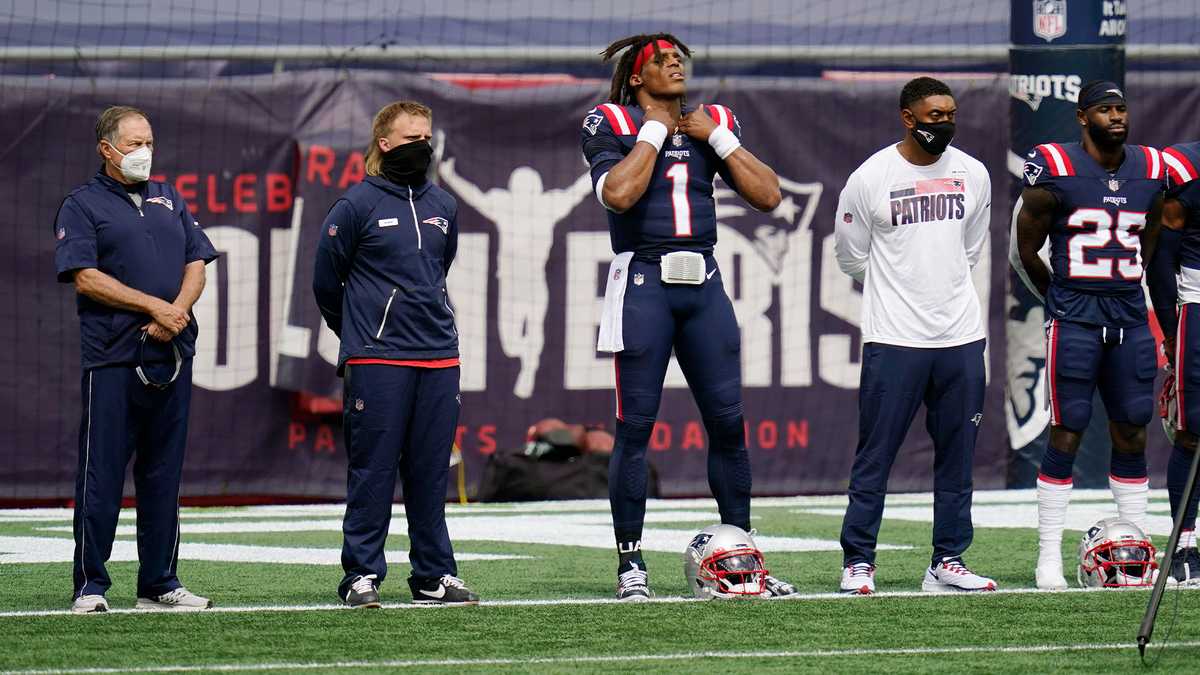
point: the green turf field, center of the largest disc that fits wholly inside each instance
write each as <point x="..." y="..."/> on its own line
<point x="546" y="573"/>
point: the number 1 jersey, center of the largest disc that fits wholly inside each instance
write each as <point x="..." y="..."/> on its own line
<point x="677" y="211"/>
<point x="1095" y="249"/>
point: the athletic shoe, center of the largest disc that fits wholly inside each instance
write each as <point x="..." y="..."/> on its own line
<point x="447" y="590"/>
<point x="89" y="604"/>
<point x="952" y="575"/>
<point x="363" y="594"/>
<point x="775" y="587"/>
<point x="1050" y="577"/>
<point x="180" y="600"/>
<point x="858" y="579"/>
<point x="1185" y="567"/>
<point x="633" y="584"/>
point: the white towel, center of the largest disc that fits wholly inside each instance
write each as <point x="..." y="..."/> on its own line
<point x="611" y="330"/>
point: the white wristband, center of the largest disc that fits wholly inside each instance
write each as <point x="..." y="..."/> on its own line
<point x="723" y="141"/>
<point x="654" y="133"/>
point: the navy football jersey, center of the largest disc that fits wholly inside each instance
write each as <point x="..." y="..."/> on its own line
<point x="677" y="212"/>
<point x="1182" y="161"/>
<point x="1095" y="252"/>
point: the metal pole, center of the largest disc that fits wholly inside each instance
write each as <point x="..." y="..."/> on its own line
<point x="1147" y="629"/>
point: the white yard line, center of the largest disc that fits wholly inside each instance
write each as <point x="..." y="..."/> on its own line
<point x="576" y="601"/>
<point x="582" y="505"/>
<point x="611" y="658"/>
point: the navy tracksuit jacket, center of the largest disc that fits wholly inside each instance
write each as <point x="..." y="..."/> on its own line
<point x="146" y="248"/>
<point x="380" y="282"/>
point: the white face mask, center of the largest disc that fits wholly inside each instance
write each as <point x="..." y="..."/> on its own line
<point x="136" y="165"/>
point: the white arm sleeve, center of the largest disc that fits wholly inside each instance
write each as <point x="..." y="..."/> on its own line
<point x="852" y="230"/>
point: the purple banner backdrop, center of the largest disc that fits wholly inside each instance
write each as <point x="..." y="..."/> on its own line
<point x="260" y="160"/>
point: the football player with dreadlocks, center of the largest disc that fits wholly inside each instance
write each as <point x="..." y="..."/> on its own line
<point x="653" y="160"/>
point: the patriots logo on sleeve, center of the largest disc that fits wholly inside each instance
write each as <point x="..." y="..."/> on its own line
<point x="1032" y="171"/>
<point x="592" y="121"/>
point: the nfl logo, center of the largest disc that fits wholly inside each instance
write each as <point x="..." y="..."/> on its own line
<point x="358" y="404"/>
<point x="332" y="230"/>
<point x="1049" y="19"/>
<point x="677" y="140"/>
<point x="638" y="279"/>
<point x="847" y="218"/>
<point x="1114" y="185"/>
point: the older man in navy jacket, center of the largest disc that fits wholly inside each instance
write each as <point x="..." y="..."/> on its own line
<point x="136" y="257"/>
<point x="380" y="282"/>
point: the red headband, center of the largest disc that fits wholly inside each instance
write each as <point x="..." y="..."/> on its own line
<point x="647" y="53"/>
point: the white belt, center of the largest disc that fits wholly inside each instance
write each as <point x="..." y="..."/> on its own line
<point x="683" y="267"/>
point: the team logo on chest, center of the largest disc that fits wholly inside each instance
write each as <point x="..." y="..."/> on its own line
<point x="438" y="222"/>
<point x="162" y="201"/>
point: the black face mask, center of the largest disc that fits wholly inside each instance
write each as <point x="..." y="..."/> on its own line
<point x="407" y="164"/>
<point x="933" y="137"/>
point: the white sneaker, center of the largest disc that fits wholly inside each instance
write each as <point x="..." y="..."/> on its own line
<point x="88" y="604"/>
<point x="1050" y="577"/>
<point x="180" y="599"/>
<point x="952" y="575"/>
<point x="858" y="579"/>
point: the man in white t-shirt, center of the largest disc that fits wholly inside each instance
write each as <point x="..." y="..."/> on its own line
<point x="910" y="224"/>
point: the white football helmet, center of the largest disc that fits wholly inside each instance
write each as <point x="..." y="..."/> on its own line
<point x="723" y="562"/>
<point x="1115" y="553"/>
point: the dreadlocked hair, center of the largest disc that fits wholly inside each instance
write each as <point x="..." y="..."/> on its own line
<point x="622" y="93"/>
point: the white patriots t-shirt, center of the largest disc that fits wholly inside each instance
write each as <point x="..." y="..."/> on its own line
<point x="911" y="234"/>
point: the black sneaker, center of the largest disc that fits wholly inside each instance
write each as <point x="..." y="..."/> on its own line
<point x="633" y="584"/>
<point x="363" y="594"/>
<point x="447" y="590"/>
<point x="1185" y="566"/>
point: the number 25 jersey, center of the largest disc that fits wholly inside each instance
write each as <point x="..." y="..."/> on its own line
<point x="677" y="211"/>
<point x="1095" y="249"/>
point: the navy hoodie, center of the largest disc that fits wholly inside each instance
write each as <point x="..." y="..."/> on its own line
<point x="380" y="273"/>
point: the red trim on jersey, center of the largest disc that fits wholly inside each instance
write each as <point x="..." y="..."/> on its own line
<point x="1051" y="162"/>
<point x="614" y="120"/>
<point x="633" y="127"/>
<point x="1051" y="362"/>
<point x="617" y="386"/>
<point x="1129" y="481"/>
<point x="1054" y="481"/>
<point x="1153" y="162"/>
<point x="411" y="363"/>
<point x="1187" y="165"/>
<point x="1180" y="341"/>
<point x="1065" y="158"/>
<point x="721" y="115"/>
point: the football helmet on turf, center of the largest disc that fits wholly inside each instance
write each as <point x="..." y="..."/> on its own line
<point x="1115" y="553"/>
<point x="723" y="562"/>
